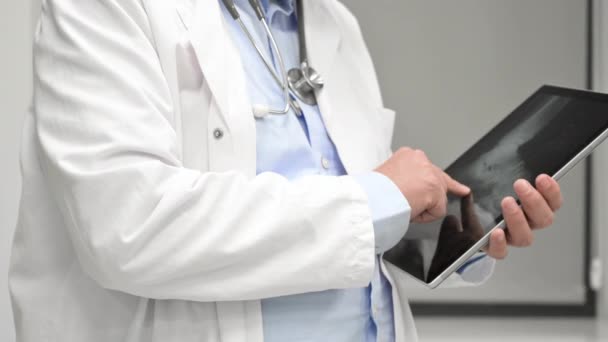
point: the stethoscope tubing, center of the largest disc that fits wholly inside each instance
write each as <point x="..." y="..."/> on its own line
<point x="297" y="109"/>
<point x="259" y="51"/>
<point x="284" y="84"/>
<point x="283" y="80"/>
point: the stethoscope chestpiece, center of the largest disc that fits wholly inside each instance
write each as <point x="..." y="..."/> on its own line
<point x="304" y="82"/>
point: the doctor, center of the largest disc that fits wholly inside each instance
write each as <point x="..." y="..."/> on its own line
<point x="156" y="207"/>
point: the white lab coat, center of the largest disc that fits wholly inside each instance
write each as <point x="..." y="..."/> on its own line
<point x="137" y="223"/>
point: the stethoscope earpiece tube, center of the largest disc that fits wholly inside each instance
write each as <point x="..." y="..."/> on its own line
<point x="257" y="8"/>
<point x="304" y="81"/>
<point x="231" y="7"/>
<point x="301" y="32"/>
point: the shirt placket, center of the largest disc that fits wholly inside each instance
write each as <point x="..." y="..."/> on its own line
<point x="309" y="121"/>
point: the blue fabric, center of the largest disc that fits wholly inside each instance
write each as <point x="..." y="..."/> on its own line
<point x="471" y="261"/>
<point x="299" y="146"/>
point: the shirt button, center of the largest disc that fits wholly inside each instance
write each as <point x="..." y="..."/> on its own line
<point x="218" y="133"/>
<point x="325" y="163"/>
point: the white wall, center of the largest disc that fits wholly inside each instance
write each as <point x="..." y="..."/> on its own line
<point x="15" y="85"/>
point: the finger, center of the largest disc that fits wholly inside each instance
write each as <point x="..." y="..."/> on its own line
<point x="519" y="232"/>
<point x="436" y="211"/>
<point x="454" y="186"/>
<point x="550" y="190"/>
<point x="534" y="204"/>
<point x="439" y="208"/>
<point x="497" y="248"/>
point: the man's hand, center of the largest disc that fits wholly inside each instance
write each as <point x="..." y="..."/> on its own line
<point x="536" y="211"/>
<point x="423" y="184"/>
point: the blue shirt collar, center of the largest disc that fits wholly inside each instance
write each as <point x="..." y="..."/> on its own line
<point x="285" y="7"/>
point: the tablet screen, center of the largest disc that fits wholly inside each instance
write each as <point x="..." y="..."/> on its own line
<point x="540" y="136"/>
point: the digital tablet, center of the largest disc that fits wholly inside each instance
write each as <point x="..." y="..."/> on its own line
<point x="549" y="132"/>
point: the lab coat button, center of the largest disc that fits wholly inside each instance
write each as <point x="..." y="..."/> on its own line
<point x="325" y="163"/>
<point x="218" y="133"/>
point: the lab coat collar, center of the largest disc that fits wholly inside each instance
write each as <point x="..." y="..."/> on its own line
<point x="218" y="58"/>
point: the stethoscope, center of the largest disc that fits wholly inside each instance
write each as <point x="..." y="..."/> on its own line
<point x="302" y="81"/>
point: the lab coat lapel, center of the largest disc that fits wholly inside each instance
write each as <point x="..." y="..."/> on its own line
<point x="217" y="56"/>
<point x="322" y="35"/>
<point x="221" y="65"/>
<point x="343" y="110"/>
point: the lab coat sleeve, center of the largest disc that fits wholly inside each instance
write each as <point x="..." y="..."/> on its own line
<point x="142" y="223"/>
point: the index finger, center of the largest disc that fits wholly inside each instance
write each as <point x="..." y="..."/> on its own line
<point x="455" y="187"/>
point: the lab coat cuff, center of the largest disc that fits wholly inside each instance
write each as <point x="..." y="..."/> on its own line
<point x="389" y="209"/>
<point x="360" y="256"/>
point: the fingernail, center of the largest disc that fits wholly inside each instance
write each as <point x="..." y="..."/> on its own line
<point x="544" y="182"/>
<point x="501" y="237"/>
<point x="511" y="205"/>
<point x="521" y="185"/>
